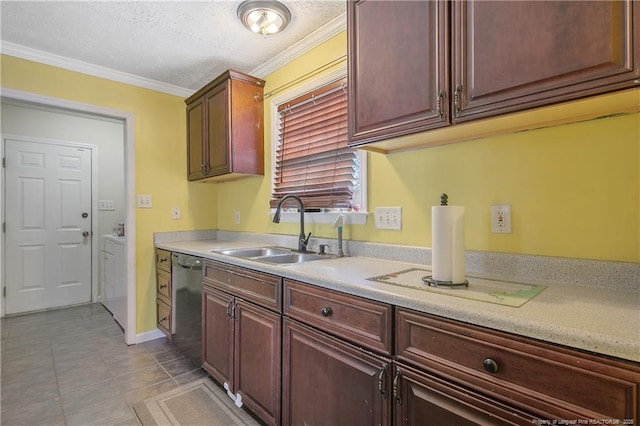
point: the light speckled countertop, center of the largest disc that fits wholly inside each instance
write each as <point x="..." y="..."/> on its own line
<point x="594" y="319"/>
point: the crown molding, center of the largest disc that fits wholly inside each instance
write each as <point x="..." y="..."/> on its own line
<point x="46" y="58"/>
<point x="332" y="28"/>
<point x="316" y="38"/>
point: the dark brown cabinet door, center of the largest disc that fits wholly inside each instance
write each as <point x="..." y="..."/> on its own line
<point x="510" y="56"/>
<point x="195" y="138"/>
<point x="328" y="382"/>
<point x="217" y="146"/>
<point x="398" y="68"/>
<point x="217" y="335"/>
<point x="258" y="360"/>
<point x="225" y="132"/>
<point x="425" y="400"/>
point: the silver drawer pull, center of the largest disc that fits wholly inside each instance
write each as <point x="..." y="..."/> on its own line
<point x="326" y="311"/>
<point x="163" y="286"/>
<point x="163" y="319"/>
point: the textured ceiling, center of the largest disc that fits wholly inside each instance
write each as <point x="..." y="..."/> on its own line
<point x="181" y="43"/>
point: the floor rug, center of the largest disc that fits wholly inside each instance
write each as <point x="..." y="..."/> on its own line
<point x="200" y="403"/>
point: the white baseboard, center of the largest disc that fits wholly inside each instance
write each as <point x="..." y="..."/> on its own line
<point x="149" y="335"/>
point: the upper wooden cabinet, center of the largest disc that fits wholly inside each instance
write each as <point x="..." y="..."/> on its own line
<point x="416" y="66"/>
<point x="225" y="131"/>
<point x="509" y="56"/>
<point x="398" y="68"/>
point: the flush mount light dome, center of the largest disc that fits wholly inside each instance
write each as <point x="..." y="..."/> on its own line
<point x="264" y="16"/>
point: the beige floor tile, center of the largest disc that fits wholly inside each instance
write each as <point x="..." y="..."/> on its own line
<point x="73" y="379"/>
<point x="150" y="391"/>
<point x="77" y="399"/>
<point x="107" y="412"/>
<point x="179" y="366"/>
<point x="72" y="367"/>
<point x="141" y="378"/>
<point x="128" y="364"/>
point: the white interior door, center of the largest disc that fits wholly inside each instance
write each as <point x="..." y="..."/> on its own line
<point x="48" y="225"/>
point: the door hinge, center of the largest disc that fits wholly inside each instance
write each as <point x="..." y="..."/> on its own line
<point x="4" y="162"/>
<point x="4" y="291"/>
<point x="4" y="227"/>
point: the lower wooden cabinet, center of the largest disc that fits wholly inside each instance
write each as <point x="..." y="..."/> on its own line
<point x="217" y="334"/>
<point x="242" y="342"/>
<point x="295" y="354"/>
<point x="423" y="399"/>
<point x="329" y="382"/>
<point x="549" y="381"/>
<point x="164" y="293"/>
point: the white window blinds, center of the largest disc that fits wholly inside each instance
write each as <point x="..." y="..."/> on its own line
<point x="313" y="160"/>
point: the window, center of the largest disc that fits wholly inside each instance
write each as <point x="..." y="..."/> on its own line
<point x="312" y="158"/>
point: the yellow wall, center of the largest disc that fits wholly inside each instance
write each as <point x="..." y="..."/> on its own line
<point x="574" y="189"/>
<point x="160" y="158"/>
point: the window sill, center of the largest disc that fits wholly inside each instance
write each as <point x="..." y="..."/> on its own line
<point x="350" y="218"/>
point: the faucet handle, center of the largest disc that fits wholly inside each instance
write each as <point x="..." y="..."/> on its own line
<point x="322" y="248"/>
<point x="306" y="240"/>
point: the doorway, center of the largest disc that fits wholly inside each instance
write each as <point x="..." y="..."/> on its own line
<point x="126" y="120"/>
<point x="48" y="224"/>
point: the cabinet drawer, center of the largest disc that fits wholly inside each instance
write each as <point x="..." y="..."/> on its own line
<point x="163" y="260"/>
<point x="164" y="317"/>
<point x="260" y="288"/>
<point x="163" y="285"/>
<point x="361" y="321"/>
<point x="554" y="381"/>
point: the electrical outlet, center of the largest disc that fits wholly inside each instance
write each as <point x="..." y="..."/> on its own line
<point x="145" y="201"/>
<point x="388" y="217"/>
<point x="237" y="218"/>
<point x="175" y="213"/>
<point x="501" y="219"/>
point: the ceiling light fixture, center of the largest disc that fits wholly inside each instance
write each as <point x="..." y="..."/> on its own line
<point x="264" y="16"/>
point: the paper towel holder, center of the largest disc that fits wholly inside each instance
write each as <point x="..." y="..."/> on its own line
<point x="435" y="283"/>
<point x="444" y="200"/>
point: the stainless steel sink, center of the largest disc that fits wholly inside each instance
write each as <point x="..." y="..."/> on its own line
<point x="256" y="252"/>
<point x="280" y="255"/>
<point x="295" y="257"/>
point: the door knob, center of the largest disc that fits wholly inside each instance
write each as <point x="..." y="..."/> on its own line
<point x="85" y="234"/>
<point x="85" y="215"/>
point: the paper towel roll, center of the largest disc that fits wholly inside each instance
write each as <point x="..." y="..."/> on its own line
<point x="447" y="251"/>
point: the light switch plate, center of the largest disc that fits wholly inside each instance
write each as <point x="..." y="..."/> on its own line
<point x="145" y="201"/>
<point x="388" y="218"/>
<point x="106" y="205"/>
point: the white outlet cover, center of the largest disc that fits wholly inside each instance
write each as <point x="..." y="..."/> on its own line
<point x="501" y="219"/>
<point x="388" y="218"/>
<point x="175" y="213"/>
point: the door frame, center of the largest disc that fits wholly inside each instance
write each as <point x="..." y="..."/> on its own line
<point x="94" y="203"/>
<point x="130" y="335"/>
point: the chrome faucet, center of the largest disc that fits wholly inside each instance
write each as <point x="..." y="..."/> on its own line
<point x="302" y="239"/>
<point x="338" y="225"/>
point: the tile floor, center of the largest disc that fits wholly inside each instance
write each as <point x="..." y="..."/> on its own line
<point x="71" y="367"/>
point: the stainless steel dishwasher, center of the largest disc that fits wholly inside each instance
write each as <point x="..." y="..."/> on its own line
<point x="187" y="288"/>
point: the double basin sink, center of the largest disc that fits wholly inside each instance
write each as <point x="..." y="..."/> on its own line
<point x="281" y="255"/>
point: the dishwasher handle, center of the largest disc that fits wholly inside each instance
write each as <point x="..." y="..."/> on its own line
<point x="187" y="262"/>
